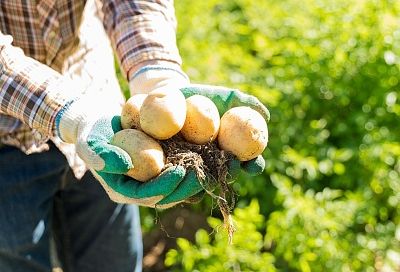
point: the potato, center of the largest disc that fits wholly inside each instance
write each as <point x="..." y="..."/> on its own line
<point x="243" y="132"/>
<point x="130" y="111"/>
<point x="146" y="153"/>
<point x="163" y="113"/>
<point x="202" y="120"/>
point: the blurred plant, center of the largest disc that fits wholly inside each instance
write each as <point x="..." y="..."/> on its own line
<point x="319" y="231"/>
<point x="212" y="252"/>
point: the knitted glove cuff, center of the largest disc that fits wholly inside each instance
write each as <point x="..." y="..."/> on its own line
<point x="69" y="118"/>
<point x="83" y="111"/>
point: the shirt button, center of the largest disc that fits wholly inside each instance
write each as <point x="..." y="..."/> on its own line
<point x="52" y="34"/>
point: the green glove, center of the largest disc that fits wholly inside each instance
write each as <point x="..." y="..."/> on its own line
<point x="79" y="124"/>
<point x="123" y="189"/>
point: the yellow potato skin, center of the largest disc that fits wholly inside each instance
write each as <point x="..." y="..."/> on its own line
<point x="147" y="155"/>
<point x="202" y="120"/>
<point x="163" y="113"/>
<point x="130" y="115"/>
<point x="243" y="132"/>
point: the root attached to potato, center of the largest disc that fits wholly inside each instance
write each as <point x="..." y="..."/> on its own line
<point x="211" y="166"/>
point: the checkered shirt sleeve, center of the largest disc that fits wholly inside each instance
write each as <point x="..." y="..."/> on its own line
<point x="29" y="89"/>
<point x="141" y="31"/>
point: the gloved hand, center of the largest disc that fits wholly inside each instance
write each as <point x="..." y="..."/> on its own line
<point x="91" y="128"/>
<point x="152" y="77"/>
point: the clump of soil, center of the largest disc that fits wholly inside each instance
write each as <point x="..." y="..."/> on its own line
<point x="211" y="166"/>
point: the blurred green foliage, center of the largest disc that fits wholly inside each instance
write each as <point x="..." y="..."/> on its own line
<point x="329" y="72"/>
<point x="215" y="257"/>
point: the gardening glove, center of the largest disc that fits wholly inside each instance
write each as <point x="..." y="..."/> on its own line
<point x="152" y="77"/>
<point x="91" y="127"/>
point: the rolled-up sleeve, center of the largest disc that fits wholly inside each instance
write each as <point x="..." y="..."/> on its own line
<point x="29" y="90"/>
<point x="141" y="31"/>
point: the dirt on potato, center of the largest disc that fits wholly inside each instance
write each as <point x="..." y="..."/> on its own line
<point x="211" y="166"/>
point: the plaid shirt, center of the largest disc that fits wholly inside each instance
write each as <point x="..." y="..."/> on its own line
<point x="37" y="37"/>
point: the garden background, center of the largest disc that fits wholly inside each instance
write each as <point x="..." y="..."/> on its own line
<point x="329" y="199"/>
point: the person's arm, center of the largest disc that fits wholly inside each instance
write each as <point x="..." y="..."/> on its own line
<point x="142" y="33"/>
<point x="29" y="90"/>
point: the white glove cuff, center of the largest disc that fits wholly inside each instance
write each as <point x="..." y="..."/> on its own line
<point x="82" y="112"/>
<point x="151" y="77"/>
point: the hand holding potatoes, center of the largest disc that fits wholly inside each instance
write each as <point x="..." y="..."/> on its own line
<point x="231" y="120"/>
<point x="96" y="134"/>
<point x="201" y="124"/>
<point x="145" y="160"/>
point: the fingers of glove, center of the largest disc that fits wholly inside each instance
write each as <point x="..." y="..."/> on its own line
<point x="189" y="186"/>
<point x="254" y="167"/>
<point x="102" y="129"/>
<point x="121" y="198"/>
<point x="162" y="185"/>
<point x="94" y="148"/>
<point x="105" y="157"/>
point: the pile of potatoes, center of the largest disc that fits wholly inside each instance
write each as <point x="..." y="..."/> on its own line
<point x="161" y="114"/>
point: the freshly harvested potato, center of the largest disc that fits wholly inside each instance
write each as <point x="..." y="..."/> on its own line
<point x="202" y="120"/>
<point x="243" y="132"/>
<point x="146" y="153"/>
<point x="130" y="117"/>
<point x="163" y="113"/>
